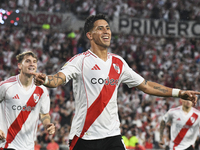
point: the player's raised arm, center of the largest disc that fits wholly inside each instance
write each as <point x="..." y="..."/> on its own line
<point x="163" y="91"/>
<point x="50" y="81"/>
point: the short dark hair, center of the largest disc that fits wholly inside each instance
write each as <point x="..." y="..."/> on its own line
<point x="89" y="23"/>
<point x="21" y="56"/>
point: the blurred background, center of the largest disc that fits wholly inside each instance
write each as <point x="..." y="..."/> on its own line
<point x="159" y="39"/>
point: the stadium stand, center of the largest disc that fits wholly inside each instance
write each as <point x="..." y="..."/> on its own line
<point x="173" y="61"/>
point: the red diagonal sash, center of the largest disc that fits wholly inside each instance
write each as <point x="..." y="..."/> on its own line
<point x="17" y="124"/>
<point x="183" y="131"/>
<point x="102" y="100"/>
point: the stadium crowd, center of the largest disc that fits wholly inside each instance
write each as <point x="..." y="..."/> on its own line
<point x="174" y="62"/>
<point x="155" y="9"/>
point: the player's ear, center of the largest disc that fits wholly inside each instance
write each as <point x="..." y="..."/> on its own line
<point x="89" y="35"/>
<point x="19" y="66"/>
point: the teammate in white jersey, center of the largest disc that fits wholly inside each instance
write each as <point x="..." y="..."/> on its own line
<point x="96" y="76"/>
<point x="185" y="123"/>
<point x="21" y="104"/>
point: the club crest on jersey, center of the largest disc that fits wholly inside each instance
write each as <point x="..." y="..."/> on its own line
<point x="192" y="119"/>
<point x="116" y="67"/>
<point x="36" y="97"/>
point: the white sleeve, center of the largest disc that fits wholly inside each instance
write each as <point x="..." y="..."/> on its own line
<point x="167" y="117"/>
<point x="2" y="91"/>
<point x="45" y="102"/>
<point x="130" y="77"/>
<point x="72" y="68"/>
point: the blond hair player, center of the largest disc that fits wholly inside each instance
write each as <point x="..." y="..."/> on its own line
<point x="21" y="103"/>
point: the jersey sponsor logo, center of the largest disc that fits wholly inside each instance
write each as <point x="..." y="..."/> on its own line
<point x="96" y="67"/>
<point x="22" y="108"/>
<point x="116" y="67"/>
<point x="178" y="119"/>
<point x="104" y="81"/>
<point x="36" y="97"/>
<point x="186" y="126"/>
<point x="16" y="96"/>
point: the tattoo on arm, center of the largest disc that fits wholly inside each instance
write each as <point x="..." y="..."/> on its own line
<point x="160" y="89"/>
<point x="162" y="127"/>
<point x="55" y="79"/>
<point x="145" y="82"/>
<point x="45" y="117"/>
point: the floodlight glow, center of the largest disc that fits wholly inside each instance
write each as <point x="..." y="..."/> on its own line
<point x="12" y="21"/>
<point x="2" y="22"/>
<point x="3" y="11"/>
<point x="8" y="13"/>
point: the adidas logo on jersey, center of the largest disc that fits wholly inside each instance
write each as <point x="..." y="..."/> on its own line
<point x="96" y="67"/>
<point x="16" y="96"/>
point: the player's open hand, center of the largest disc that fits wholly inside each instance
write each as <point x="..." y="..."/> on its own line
<point x="51" y="128"/>
<point x="189" y="95"/>
<point x="2" y="135"/>
<point x="39" y="78"/>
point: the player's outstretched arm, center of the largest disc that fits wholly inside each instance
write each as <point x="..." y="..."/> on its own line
<point x="2" y="135"/>
<point x="50" y="81"/>
<point x="162" y="127"/>
<point x="50" y="127"/>
<point x="156" y="89"/>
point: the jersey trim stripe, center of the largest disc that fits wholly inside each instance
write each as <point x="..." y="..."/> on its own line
<point x="92" y="54"/>
<point x="11" y="79"/>
<point x="183" y="131"/>
<point x="17" y="124"/>
<point x="102" y="100"/>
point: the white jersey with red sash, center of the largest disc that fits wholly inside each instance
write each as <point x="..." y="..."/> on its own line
<point x="19" y="112"/>
<point x="95" y="84"/>
<point x="184" y="127"/>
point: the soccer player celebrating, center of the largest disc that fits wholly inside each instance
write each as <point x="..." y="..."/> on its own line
<point x="185" y="123"/>
<point x="21" y="104"/>
<point x="96" y="76"/>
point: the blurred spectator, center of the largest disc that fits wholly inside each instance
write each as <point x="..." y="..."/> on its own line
<point x="139" y="147"/>
<point x="126" y="138"/>
<point x="37" y="146"/>
<point x="133" y="140"/>
<point x="130" y="139"/>
<point x="52" y="145"/>
<point x="148" y="143"/>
